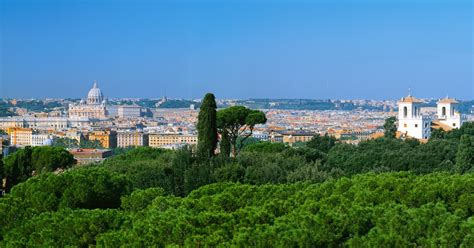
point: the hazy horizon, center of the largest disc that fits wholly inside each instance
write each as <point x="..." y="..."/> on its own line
<point x="237" y="49"/>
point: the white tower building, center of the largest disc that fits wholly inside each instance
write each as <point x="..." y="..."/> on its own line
<point x="447" y="113"/>
<point x="410" y="122"/>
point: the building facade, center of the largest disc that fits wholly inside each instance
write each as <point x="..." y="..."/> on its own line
<point x="94" y="107"/>
<point x="132" y="139"/>
<point x="447" y="113"/>
<point x="44" y="123"/>
<point x="20" y="136"/>
<point x="108" y="139"/>
<point x="291" y="138"/>
<point x="88" y="156"/>
<point x="411" y="123"/>
<point x="163" y="140"/>
<point x="129" y="111"/>
<point x="39" y="139"/>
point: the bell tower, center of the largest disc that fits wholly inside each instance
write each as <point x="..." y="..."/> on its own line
<point x="411" y="123"/>
<point x="447" y="113"/>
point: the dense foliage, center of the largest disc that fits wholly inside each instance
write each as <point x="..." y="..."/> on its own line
<point x="29" y="161"/>
<point x="381" y="193"/>
<point x="369" y="210"/>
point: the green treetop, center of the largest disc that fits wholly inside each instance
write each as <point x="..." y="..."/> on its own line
<point x="238" y="121"/>
<point x="465" y="154"/>
<point x="390" y="128"/>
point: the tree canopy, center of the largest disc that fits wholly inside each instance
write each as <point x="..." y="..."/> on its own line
<point x="238" y="121"/>
<point x="380" y="193"/>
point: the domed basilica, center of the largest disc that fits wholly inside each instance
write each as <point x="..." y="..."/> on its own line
<point x="94" y="107"/>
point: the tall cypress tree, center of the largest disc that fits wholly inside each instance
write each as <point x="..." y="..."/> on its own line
<point x="207" y="127"/>
<point x="465" y="155"/>
<point x="225" y="144"/>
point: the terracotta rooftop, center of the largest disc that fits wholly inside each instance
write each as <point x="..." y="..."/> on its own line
<point x="411" y="99"/>
<point x="448" y="100"/>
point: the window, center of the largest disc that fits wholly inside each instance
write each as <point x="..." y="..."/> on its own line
<point x="405" y="111"/>
<point x="443" y="111"/>
<point x="454" y="124"/>
<point x="405" y="125"/>
<point x="426" y="124"/>
<point x="416" y="125"/>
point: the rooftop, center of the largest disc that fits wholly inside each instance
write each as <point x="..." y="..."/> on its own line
<point x="448" y="100"/>
<point x="410" y="99"/>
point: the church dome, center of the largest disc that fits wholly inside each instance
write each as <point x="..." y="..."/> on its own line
<point x="95" y="95"/>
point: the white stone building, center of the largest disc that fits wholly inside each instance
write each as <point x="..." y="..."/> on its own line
<point x="94" y="107"/>
<point x="412" y="123"/>
<point x="129" y="111"/>
<point x="447" y="113"/>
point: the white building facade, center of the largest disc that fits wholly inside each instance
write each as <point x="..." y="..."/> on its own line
<point x="411" y="123"/>
<point x="447" y="113"/>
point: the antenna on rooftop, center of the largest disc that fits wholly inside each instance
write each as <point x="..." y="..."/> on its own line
<point x="409" y="91"/>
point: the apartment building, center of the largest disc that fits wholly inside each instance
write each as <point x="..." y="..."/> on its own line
<point x="130" y="139"/>
<point x="162" y="140"/>
<point x="108" y="139"/>
<point x="20" y="136"/>
<point x="295" y="137"/>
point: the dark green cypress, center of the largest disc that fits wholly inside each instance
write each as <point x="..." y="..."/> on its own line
<point x="207" y="127"/>
<point x="225" y="145"/>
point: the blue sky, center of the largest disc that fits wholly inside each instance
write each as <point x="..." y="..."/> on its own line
<point x="237" y="49"/>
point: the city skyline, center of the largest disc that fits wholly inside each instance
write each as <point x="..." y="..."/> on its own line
<point x="238" y="49"/>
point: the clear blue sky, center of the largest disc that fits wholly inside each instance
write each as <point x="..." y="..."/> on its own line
<point x="237" y="49"/>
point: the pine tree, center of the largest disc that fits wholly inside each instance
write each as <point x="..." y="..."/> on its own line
<point x="465" y="155"/>
<point x="207" y="127"/>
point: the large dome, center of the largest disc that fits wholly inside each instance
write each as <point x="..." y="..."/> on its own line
<point x="95" y="95"/>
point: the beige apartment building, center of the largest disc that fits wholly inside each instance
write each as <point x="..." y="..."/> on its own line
<point x="160" y="140"/>
<point x="130" y="139"/>
<point x="20" y="136"/>
<point x="291" y="138"/>
<point x="108" y="139"/>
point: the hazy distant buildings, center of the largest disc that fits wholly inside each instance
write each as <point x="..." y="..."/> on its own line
<point x="94" y="107"/>
<point x="129" y="111"/>
<point x="44" y="123"/>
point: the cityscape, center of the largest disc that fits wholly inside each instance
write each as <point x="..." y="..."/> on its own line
<point x="261" y="123"/>
<point x="116" y="125"/>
